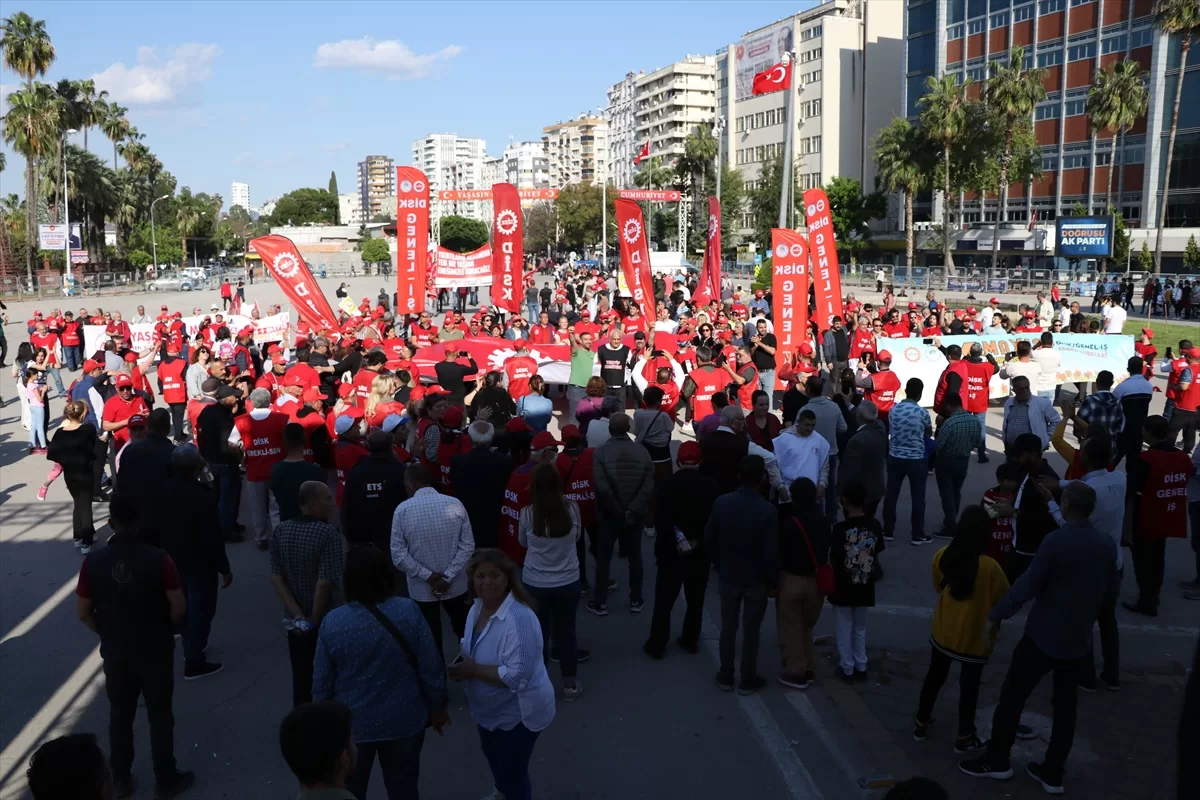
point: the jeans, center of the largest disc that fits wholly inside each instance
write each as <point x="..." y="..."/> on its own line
<point x="200" y="591"/>
<point x="456" y="607"/>
<point x="98" y="466"/>
<point x="508" y="754"/>
<point x="916" y="470"/>
<point x="678" y="572"/>
<point x="766" y="381"/>
<point x="1029" y="666"/>
<point x="1149" y="556"/>
<point x="751" y="602"/>
<point x="631" y="535"/>
<point x="797" y="609"/>
<point x="982" y="417"/>
<point x="1183" y="421"/>
<point x="264" y="512"/>
<point x="971" y="673"/>
<point x="574" y="395"/>
<point x="229" y="494"/>
<point x="53" y="372"/>
<point x="72" y="356"/>
<point x="850" y="635"/>
<point x="302" y="649"/>
<point x="831" y="501"/>
<point x="556" y="609"/>
<point x="83" y="528"/>
<point x="153" y="678"/>
<point x="531" y="312"/>
<point x="1110" y="642"/>
<point x="950" y="473"/>
<point x="37" y="426"/>
<point x="399" y="761"/>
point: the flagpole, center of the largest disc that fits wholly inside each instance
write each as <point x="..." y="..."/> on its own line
<point x="604" y="223"/>
<point x="789" y="134"/>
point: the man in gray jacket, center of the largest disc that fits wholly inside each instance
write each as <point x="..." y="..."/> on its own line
<point x="865" y="457"/>
<point x="830" y="423"/>
<point x="624" y="477"/>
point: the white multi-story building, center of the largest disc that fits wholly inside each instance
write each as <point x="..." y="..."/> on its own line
<point x="437" y="155"/>
<point x="350" y="208"/>
<point x="494" y="171"/>
<point x="239" y="195"/>
<point x="622" y="148"/>
<point x="836" y="112"/>
<point x="576" y="150"/>
<point x="376" y="180"/>
<point x="670" y="103"/>
<point x="526" y="165"/>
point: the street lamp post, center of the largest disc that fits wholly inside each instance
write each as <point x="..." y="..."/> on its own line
<point x="66" y="195"/>
<point x="153" y="240"/>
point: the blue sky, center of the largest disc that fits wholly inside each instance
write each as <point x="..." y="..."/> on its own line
<point x="277" y="94"/>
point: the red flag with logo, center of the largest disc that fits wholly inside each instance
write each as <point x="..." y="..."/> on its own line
<point x="644" y="153"/>
<point x="508" y="247"/>
<point x="774" y="78"/>
<point x="635" y="255"/>
<point x="710" y="276"/>
<point x="827" y="281"/>
<point x="789" y="292"/>
<point x="412" y="239"/>
<point x="291" y="273"/>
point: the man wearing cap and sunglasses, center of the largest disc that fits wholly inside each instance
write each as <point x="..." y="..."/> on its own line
<point x="118" y="410"/>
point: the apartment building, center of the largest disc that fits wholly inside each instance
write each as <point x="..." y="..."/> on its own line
<point x="576" y="150"/>
<point x="239" y="195"/>
<point x="376" y="180"/>
<point x="622" y="146"/>
<point x="526" y="165"/>
<point x="671" y="102"/>
<point x="451" y="161"/>
<point x="350" y="208"/>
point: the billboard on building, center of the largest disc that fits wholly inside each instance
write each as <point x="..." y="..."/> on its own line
<point x="1084" y="237"/>
<point x="757" y="51"/>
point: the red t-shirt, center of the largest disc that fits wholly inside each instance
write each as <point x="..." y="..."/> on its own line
<point x="170" y="576"/>
<point x="117" y="410"/>
<point x="48" y="341"/>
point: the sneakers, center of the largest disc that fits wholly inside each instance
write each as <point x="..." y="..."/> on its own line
<point x="1087" y="686"/>
<point x="749" y="687"/>
<point x="969" y="744"/>
<point x="581" y="655"/>
<point x="649" y="532"/>
<point x="691" y="648"/>
<point x="1138" y="608"/>
<point x="1191" y="594"/>
<point x="177" y="784"/>
<point x="636" y="606"/>
<point x="921" y="732"/>
<point x="889" y="537"/>
<point x="794" y="680"/>
<point x="983" y="459"/>
<point x="845" y="677"/>
<point x="194" y="672"/>
<point x="919" y="539"/>
<point x="1049" y="785"/>
<point x="982" y="768"/>
<point x="84" y="549"/>
<point x="654" y="652"/>
<point x="42" y="492"/>
<point x="1112" y="684"/>
<point x="599" y="609"/>
<point x="571" y="693"/>
<point x="724" y="682"/>
<point x="943" y="535"/>
<point x="860" y="676"/>
<point x="77" y="542"/>
<point x="495" y="794"/>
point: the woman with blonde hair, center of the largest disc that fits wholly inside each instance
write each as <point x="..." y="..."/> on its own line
<point x="502" y="665"/>
<point x="381" y="401"/>
<point x="74" y="449"/>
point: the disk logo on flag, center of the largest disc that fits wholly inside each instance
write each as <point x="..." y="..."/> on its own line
<point x="291" y="273"/>
<point x="286" y="265"/>
<point x="635" y="257"/>
<point x="708" y="288"/>
<point x="713" y="226"/>
<point x="789" y="293"/>
<point x="827" y="282"/>
<point x="506" y="223"/>
<point x="508" y="247"/>
<point x="632" y="231"/>
<point x="412" y="239"/>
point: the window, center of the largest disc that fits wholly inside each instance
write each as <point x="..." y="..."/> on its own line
<point x="739" y="125"/>
<point x="810" y="77"/>
<point x="976" y="73"/>
<point x="1046" y="112"/>
<point x="1049" y="162"/>
<point x="1076" y="108"/>
<point x="771" y="117"/>
<point x="1135" y="155"/>
<point x="1113" y="44"/>
<point x="1022" y="13"/>
<point x="1081" y="51"/>
<point x="1027" y="62"/>
<point x="1103" y="159"/>
<point x="816" y="144"/>
<point x="810" y="33"/>
<point x="1141" y="38"/>
<point x="759" y="118"/>
<point x="760" y="153"/>
<point x="1050" y="6"/>
<point x="954" y="32"/>
<point x="976" y="26"/>
<point x="782" y="117"/>
<point x="1050" y="59"/>
<point x="1080" y="2"/>
<point x="770" y="152"/>
<point x="999" y="20"/>
<point x="1075" y="161"/>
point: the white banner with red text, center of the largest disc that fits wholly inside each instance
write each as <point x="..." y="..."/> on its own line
<point x="267" y="329"/>
<point x="463" y="269"/>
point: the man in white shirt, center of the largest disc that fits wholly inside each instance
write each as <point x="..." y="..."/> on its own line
<point x="664" y="323"/>
<point x="1045" y="310"/>
<point x="801" y="452"/>
<point x="1022" y="366"/>
<point x="431" y="542"/>
<point x="1114" y="316"/>
<point x="1065" y="311"/>
<point x="986" y="317"/>
<point x="1048" y="360"/>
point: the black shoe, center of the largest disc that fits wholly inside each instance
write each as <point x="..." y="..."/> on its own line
<point x="845" y="677"/>
<point x="1138" y="608"/>
<point x="1026" y="732"/>
<point x="1087" y="686"/>
<point x="581" y="655"/>
<point x="921" y="732"/>
<point x="235" y="538"/>
<point x="263" y="545"/>
<point x="599" y="609"/>
<point x="942" y="534"/>
<point x="860" y="676"/>
<point x="964" y="745"/>
<point x="1112" y="684"/>
<point x="981" y="768"/>
<point x="749" y="687"/>
<point x="725" y="682"/>
<point x="688" y="647"/>
<point x="983" y="459"/>
<point x="920" y="539"/>
<point x="654" y="652"/>
<point x="123" y="787"/>
<point x="197" y="671"/>
<point x="1049" y="785"/>
<point x="239" y="527"/>
<point x="810" y="676"/>
<point x="177" y="784"/>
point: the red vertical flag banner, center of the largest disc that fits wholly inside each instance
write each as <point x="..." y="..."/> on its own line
<point x="710" y="276"/>
<point x="508" y="247"/>
<point x="789" y="292"/>
<point x="827" y="281"/>
<point x="412" y="239"/>
<point x="291" y="273"/>
<point x="635" y="255"/>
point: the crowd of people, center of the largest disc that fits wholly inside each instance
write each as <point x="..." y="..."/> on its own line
<point x="389" y="490"/>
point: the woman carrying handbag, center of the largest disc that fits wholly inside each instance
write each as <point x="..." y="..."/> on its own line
<point x="804" y="580"/>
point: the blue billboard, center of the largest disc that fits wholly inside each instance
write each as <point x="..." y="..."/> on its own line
<point x="1084" y="237"/>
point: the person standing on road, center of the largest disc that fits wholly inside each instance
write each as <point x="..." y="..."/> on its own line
<point x="73" y="448"/>
<point x="957" y="436"/>
<point x="835" y="348"/>
<point x="910" y="427"/>
<point x="742" y="539"/>
<point x="803" y="548"/>
<point x="624" y="478"/>
<point x="226" y="294"/>
<point x="259" y="435"/>
<point x="479" y="478"/>
<point x="1025" y="413"/>
<point x="854" y="548"/>
<point x="831" y="425"/>
<point x="583" y="364"/>
<point x="1069" y="580"/>
<point x="129" y="593"/>
<point x="1103" y="408"/>
<point x="307" y="561"/>
<point x="865" y="459"/>
<point x="762" y="348"/>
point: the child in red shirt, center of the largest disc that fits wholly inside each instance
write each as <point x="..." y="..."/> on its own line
<point x="1008" y="478"/>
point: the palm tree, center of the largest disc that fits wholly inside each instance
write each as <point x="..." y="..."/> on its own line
<point x="29" y="53"/>
<point x="653" y="175"/>
<point x="1011" y="91"/>
<point x="1117" y="98"/>
<point x="944" y="117"/>
<point x="31" y="127"/>
<point x="903" y="155"/>
<point x="92" y="107"/>
<point x="700" y="150"/>
<point x="1182" y="18"/>
<point x="115" y="126"/>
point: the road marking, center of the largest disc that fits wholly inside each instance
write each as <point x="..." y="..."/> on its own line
<point x="804" y="707"/>
<point x="41" y="612"/>
<point x="926" y="612"/>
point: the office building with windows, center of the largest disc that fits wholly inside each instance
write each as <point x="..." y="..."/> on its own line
<point x="576" y="151"/>
<point x="376" y="180"/>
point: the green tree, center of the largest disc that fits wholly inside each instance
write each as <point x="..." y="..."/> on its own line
<point x="29" y="53"/>
<point x="541" y="227"/>
<point x="733" y="203"/>
<point x="1011" y="91"/>
<point x="302" y="206"/>
<point x="139" y="259"/>
<point x="1145" y="257"/>
<point x="693" y="170"/>
<point x="1078" y="210"/>
<point x="333" y="190"/>
<point x="944" y="117"/>
<point x="1191" y="254"/>
<point x="375" y="251"/>
<point x="579" y="215"/>
<point x="1117" y="98"/>
<point x="462" y="234"/>
<point x="852" y="211"/>
<point x="115" y="126"/>
<point x="905" y="158"/>
<point x="1120" y="248"/>
<point x="1176" y="18"/>
<point x="763" y="201"/>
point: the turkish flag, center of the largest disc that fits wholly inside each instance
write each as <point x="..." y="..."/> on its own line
<point x="508" y="247"/>
<point x="635" y="255"/>
<point x="773" y="79"/>
<point x="789" y="292"/>
<point x="288" y="269"/>
<point x="643" y="153"/>
<point x="710" y="276"/>
<point x="412" y="239"/>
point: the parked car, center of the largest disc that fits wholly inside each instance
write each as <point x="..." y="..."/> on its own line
<point x="199" y="275"/>
<point x="176" y="282"/>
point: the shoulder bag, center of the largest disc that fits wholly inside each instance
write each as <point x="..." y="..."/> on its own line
<point x="409" y="655"/>
<point x="826" y="580"/>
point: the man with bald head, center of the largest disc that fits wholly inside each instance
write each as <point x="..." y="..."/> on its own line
<point x="624" y="477"/>
<point x="306" y="570"/>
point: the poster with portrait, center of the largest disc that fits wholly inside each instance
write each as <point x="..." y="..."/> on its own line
<point x="757" y="51"/>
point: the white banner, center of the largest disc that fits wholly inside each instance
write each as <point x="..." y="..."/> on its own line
<point x="1083" y="355"/>
<point x="268" y="329"/>
<point x="463" y="269"/>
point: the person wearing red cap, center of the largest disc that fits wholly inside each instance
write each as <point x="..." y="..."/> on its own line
<point x="244" y="358"/>
<point x="117" y="411"/>
<point x="259" y="435"/>
<point x="517" y="492"/>
<point x="172" y="387"/>
<point x="452" y="442"/>
<point x="1028" y="323"/>
<point x="454" y="375"/>
<point x="518" y="369"/>
<point x="881" y="386"/>
<point x="1146" y="350"/>
<point x="71" y="336"/>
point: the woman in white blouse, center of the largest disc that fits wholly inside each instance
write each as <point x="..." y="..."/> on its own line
<point x="549" y="529"/>
<point x="508" y="689"/>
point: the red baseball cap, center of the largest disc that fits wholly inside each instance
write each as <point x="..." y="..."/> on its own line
<point x="90" y="365"/>
<point x="1029" y="315"/>
<point x="971" y="311"/>
<point x="246" y="331"/>
<point x="689" y="454"/>
<point x="345" y="390"/>
<point x="1148" y="331"/>
<point x="958" y="313"/>
<point x="453" y="417"/>
<point x="806" y="349"/>
<point x="884" y="356"/>
<point x="162" y="307"/>
<point x="124" y="380"/>
<point x="517" y="425"/>
<point x="995" y="301"/>
<point x="543" y="440"/>
<point x="759" y="293"/>
<point x="131" y="357"/>
<point x="312" y="395"/>
<point x="912" y="306"/>
<point x="137" y="421"/>
<point x="293" y="380"/>
<point x="570" y="432"/>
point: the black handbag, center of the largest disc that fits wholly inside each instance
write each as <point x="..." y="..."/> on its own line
<point x="409" y="655"/>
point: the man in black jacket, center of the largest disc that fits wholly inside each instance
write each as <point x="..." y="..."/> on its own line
<point x="374" y="487"/>
<point x="213" y="427"/>
<point x="479" y="479"/>
<point x="187" y="528"/>
<point x="451" y="374"/>
<point x="146" y="463"/>
<point x="682" y="505"/>
<point x="725" y="449"/>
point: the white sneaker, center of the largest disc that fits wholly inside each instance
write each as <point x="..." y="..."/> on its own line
<point x="495" y="794"/>
<point x="649" y="532"/>
<point x="571" y="693"/>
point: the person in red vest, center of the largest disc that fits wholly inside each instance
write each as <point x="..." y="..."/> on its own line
<point x="115" y="416"/>
<point x="348" y="449"/>
<point x="208" y="396"/>
<point x="979" y="377"/>
<point x="372" y="367"/>
<point x="430" y="429"/>
<point x="423" y="333"/>
<point x="1186" y="411"/>
<point x="542" y="450"/>
<point x="519" y="369"/>
<point x="273" y="381"/>
<point x="1143" y="347"/>
<point x="701" y="384"/>
<point x="71" y="337"/>
<point x="118" y="327"/>
<point x="953" y="379"/>
<point x="452" y="442"/>
<point x="1158" y="479"/>
<point x="1174" y="367"/>
<point x="881" y="387"/>
<point x="745" y="376"/>
<point x="861" y="338"/>
<point x="172" y="387"/>
<point x="243" y="359"/>
<point x="259" y="434"/>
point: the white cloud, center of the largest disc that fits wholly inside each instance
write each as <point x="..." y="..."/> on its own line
<point x="391" y="57"/>
<point x="334" y="147"/>
<point x="153" y="82"/>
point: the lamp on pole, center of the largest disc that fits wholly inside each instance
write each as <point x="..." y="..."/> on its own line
<point x="66" y="201"/>
<point x="153" y="240"/>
